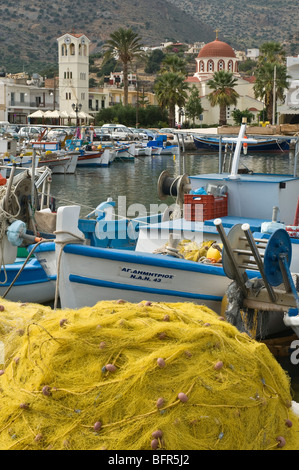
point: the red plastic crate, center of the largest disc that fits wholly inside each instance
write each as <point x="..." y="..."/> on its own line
<point x="212" y="207"/>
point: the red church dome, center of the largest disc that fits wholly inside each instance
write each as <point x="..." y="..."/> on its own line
<point x="217" y="49"/>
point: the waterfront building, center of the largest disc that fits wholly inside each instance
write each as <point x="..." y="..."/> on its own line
<point x="20" y="97"/>
<point x="288" y="108"/>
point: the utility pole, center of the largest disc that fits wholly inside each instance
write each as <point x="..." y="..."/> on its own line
<point x="274" y="96"/>
<point x="137" y="101"/>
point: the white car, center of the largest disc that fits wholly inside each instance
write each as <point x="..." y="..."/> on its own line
<point x="138" y="134"/>
<point x="57" y="134"/>
<point x="30" y="132"/>
<point x="118" y="131"/>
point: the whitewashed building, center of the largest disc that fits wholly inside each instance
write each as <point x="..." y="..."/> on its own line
<point x="288" y="110"/>
<point x="19" y="97"/>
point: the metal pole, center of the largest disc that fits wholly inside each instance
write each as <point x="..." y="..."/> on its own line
<point x="33" y="177"/>
<point x="179" y="153"/>
<point x="220" y="155"/>
<point x="274" y="96"/>
<point x="238" y="274"/>
<point x="258" y="260"/>
<point x="296" y="157"/>
<point x="9" y="185"/>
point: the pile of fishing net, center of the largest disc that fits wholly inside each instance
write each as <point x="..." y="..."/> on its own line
<point x="123" y="376"/>
<point x="206" y="252"/>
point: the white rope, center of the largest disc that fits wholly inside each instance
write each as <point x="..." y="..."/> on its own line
<point x="62" y="245"/>
<point x="6" y="218"/>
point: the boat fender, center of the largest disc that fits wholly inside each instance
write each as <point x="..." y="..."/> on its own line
<point x="15" y="232"/>
<point x="214" y="253"/>
<point x="2" y="180"/>
<point x="245" y="145"/>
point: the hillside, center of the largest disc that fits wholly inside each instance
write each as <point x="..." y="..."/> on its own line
<point x="29" y="33"/>
<point x="246" y="24"/>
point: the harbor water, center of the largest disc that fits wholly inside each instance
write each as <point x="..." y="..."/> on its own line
<point x="136" y="181"/>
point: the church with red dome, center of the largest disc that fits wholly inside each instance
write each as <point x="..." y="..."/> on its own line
<point x="213" y="57"/>
<point x="216" y="56"/>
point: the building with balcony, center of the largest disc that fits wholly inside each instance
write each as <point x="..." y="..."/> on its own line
<point x="20" y="97"/>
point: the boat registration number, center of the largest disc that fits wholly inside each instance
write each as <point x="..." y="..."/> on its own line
<point x="144" y="275"/>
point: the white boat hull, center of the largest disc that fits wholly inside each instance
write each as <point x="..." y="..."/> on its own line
<point x="95" y="158"/>
<point x="32" y="285"/>
<point x="63" y="165"/>
<point x="143" y="151"/>
<point x="38" y="293"/>
<point x="88" y="275"/>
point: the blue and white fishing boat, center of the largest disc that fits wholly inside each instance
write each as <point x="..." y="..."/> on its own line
<point x="162" y="146"/>
<point x="95" y="158"/>
<point x="211" y="143"/>
<point x="124" y="151"/>
<point x="88" y="274"/>
<point x="20" y="197"/>
<point x="32" y="284"/>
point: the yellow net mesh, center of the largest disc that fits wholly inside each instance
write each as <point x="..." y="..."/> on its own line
<point x="110" y="376"/>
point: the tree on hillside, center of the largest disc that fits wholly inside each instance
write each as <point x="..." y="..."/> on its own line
<point x="223" y="93"/>
<point x="125" y="45"/>
<point x="153" y="62"/>
<point x="171" y="91"/>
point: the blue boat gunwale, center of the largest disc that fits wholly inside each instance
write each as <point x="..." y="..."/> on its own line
<point x="148" y="259"/>
<point x="272" y="144"/>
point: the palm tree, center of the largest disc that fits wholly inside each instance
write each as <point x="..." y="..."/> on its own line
<point x="125" y="45"/>
<point x="272" y="52"/>
<point x="174" y="63"/>
<point x="264" y="84"/>
<point x="171" y="90"/>
<point x="223" y="93"/>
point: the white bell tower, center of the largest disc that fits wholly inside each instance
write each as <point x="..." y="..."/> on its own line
<point x="73" y="62"/>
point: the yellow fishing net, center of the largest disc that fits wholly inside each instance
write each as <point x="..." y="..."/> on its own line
<point x="122" y="376"/>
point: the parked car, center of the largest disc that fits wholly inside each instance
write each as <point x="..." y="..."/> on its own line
<point x="139" y="134"/>
<point x="118" y="131"/>
<point x="29" y="132"/>
<point x="167" y="131"/>
<point x="151" y="134"/>
<point x="57" y="134"/>
<point x="101" y="135"/>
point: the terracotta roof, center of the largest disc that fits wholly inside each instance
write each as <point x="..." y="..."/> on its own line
<point x="76" y="35"/>
<point x="192" y="80"/>
<point x="217" y="49"/>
